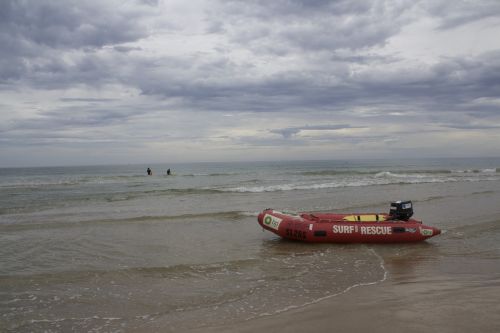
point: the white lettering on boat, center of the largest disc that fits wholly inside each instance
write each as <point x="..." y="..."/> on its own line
<point x="343" y="229"/>
<point x="376" y="230"/>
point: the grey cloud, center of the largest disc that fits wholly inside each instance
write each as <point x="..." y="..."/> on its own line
<point x="357" y="58"/>
<point x="197" y="83"/>
<point x="73" y="24"/>
<point x="310" y="26"/>
<point x="257" y="141"/>
<point x="56" y="73"/>
<point x="153" y="3"/>
<point x="328" y="37"/>
<point x="448" y="86"/>
<point x="37" y="30"/>
<point x="74" y="117"/>
<point x="291" y="131"/>
<point x="79" y="99"/>
<point x="33" y="33"/>
<point x="292" y="8"/>
<point x="456" y="13"/>
<point x="472" y="126"/>
<point x="126" y="49"/>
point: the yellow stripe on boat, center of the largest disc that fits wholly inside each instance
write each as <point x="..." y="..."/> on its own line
<point x="365" y="218"/>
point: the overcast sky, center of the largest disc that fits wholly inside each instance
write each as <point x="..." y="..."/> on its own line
<point x="102" y="82"/>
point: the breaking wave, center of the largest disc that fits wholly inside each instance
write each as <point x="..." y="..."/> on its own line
<point x="383" y="178"/>
<point x="372" y="172"/>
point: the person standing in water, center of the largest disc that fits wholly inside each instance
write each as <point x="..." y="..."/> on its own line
<point x="168" y="172"/>
<point x="150" y="173"/>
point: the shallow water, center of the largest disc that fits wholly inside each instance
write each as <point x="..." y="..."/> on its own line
<point x="109" y="249"/>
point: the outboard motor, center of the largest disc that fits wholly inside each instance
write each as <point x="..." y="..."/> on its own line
<point x="401" y="210"/>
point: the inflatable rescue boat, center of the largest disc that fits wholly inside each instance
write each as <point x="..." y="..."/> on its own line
<point x="395" y="227"/>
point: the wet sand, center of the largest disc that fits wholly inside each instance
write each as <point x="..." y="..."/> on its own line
<point x="398" y="304"/>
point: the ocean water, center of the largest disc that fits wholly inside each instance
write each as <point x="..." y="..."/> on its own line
<point x="109" y="249"/>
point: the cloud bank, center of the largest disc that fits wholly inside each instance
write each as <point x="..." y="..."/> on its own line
<point x="157" y="81"/>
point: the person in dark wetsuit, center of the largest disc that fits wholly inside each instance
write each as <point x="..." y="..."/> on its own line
<point x="150" y="173"/>
<point x="168" y="172"/>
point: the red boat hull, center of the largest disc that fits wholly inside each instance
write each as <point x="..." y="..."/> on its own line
<point x="344" y="228"/>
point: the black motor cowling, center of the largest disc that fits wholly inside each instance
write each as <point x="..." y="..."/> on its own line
<point x="401" y="210"/>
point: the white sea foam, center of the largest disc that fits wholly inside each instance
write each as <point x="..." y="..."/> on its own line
<point x="388" y="174"/>
<point x="488" y="170"/>
<point x="344" y="291"/>
<point x="39" y="183"/>
<point x="283" y="187"/>
<point x="355" y="182"/>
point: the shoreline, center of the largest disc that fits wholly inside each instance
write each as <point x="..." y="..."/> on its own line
<point x="394" y="305"/>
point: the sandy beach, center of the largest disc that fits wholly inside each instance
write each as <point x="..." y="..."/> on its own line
<point x="398" y="304"/>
